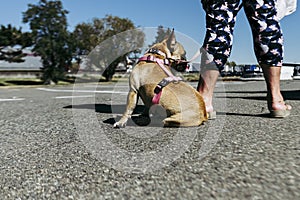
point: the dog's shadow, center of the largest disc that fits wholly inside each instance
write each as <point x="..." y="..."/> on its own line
<point x="138" y="117"/>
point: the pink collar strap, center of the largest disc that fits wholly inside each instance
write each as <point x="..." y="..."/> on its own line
<point x="151" y="58"/>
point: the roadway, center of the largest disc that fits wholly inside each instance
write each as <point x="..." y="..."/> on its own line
<point x="58" y="143"/>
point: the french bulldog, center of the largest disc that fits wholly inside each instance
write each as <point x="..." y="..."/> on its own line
<point x="152" y="80"/>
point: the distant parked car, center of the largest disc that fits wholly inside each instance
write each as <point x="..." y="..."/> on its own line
<point x="296" y="71"/>
<point x="238" y="70"/>
<point x="252" y="71"/>
<point x="226" y="73"/>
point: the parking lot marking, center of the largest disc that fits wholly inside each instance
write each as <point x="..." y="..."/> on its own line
<point x="72" y="97"/>
<point x="83" y="91"/>
<point x="13" y="99"/>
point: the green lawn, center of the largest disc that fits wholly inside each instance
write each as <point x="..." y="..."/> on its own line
<point x="19" y="81"/>
<point x="27" y="82"/>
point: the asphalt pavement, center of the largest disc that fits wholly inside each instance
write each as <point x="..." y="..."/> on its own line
<point x="58" y="142"/>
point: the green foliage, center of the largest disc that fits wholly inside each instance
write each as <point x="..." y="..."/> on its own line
<point x="162" y="33"/>
<point x="231" y="64"/>
<point x="9" y="37"/>
<point x="107" y="41"/>
<point x="115" y="37"/>
<point x="88" y="35"/>
<point x="48" y="24"/>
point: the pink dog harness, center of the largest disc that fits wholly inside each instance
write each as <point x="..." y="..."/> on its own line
<point x="165" y="81"/>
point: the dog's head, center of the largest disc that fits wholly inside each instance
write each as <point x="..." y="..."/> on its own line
<point x="172" y="50"/>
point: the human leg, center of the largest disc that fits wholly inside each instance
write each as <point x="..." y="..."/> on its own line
<point x="206" y="85"/>
<point x="275" y="100"/>
<point x="268" y="47"/>
<point x="220" y="20"/>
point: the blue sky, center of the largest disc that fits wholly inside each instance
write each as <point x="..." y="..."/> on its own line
<point x="186" y="16"/>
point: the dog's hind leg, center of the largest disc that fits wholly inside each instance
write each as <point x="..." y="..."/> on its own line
<point x="184" y="119"/>
<point x="173" y="121"/>
<point x="131" y="104"/>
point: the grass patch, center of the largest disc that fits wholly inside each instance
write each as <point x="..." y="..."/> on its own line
<point x="36" y="81"/>
<point x="26" y="82"/>
<point x="19" y="81"/>
<point x="191" y="76"/>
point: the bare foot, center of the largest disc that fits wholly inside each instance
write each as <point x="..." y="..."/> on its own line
<point x="279" y="105"/>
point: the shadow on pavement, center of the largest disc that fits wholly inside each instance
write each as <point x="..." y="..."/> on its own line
<point x="291" y="94"/>
<point x="263" y="115"/>
<point x="287" y="95"/>
<point x="106" y="108"/>
<point x="137" y="119"/>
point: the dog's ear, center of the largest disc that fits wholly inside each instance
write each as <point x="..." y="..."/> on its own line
<point x="171" y="41"/>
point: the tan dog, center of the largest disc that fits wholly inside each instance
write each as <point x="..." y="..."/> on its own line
<point x="183" y="105"/>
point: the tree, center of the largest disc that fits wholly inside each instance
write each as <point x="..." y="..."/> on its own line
<point x="88" y="35"/>
<point x="48" y="24"/>
<point x="108" y="41"/>
<point x="12" y="42"/>
<point x="85" y="37"/>
<point x="231" y="64"/>
<point x="123" y="44"/>
<point x="162" y="33"/>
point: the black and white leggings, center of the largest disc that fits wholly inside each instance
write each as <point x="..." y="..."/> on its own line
<point x="266" y="31"/>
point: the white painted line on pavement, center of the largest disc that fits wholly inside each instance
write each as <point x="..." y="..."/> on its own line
<point x="72" y="97"/>
<point x="106" y="86"/>
<point x="13" y="99"/>
<point x="83" y="91"/>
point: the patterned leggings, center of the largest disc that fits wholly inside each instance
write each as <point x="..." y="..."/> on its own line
<point x="266" y="31"/>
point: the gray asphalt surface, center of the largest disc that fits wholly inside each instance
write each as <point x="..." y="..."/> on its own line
<point x="50" y="149"/>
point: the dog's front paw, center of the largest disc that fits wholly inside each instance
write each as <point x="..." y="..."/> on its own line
<point x="120" y="124"/>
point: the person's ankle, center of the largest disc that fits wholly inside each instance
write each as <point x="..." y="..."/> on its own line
<point x="275" y="101"/>
<point x="209" y="108"/>
<point x="208" y="103"/>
